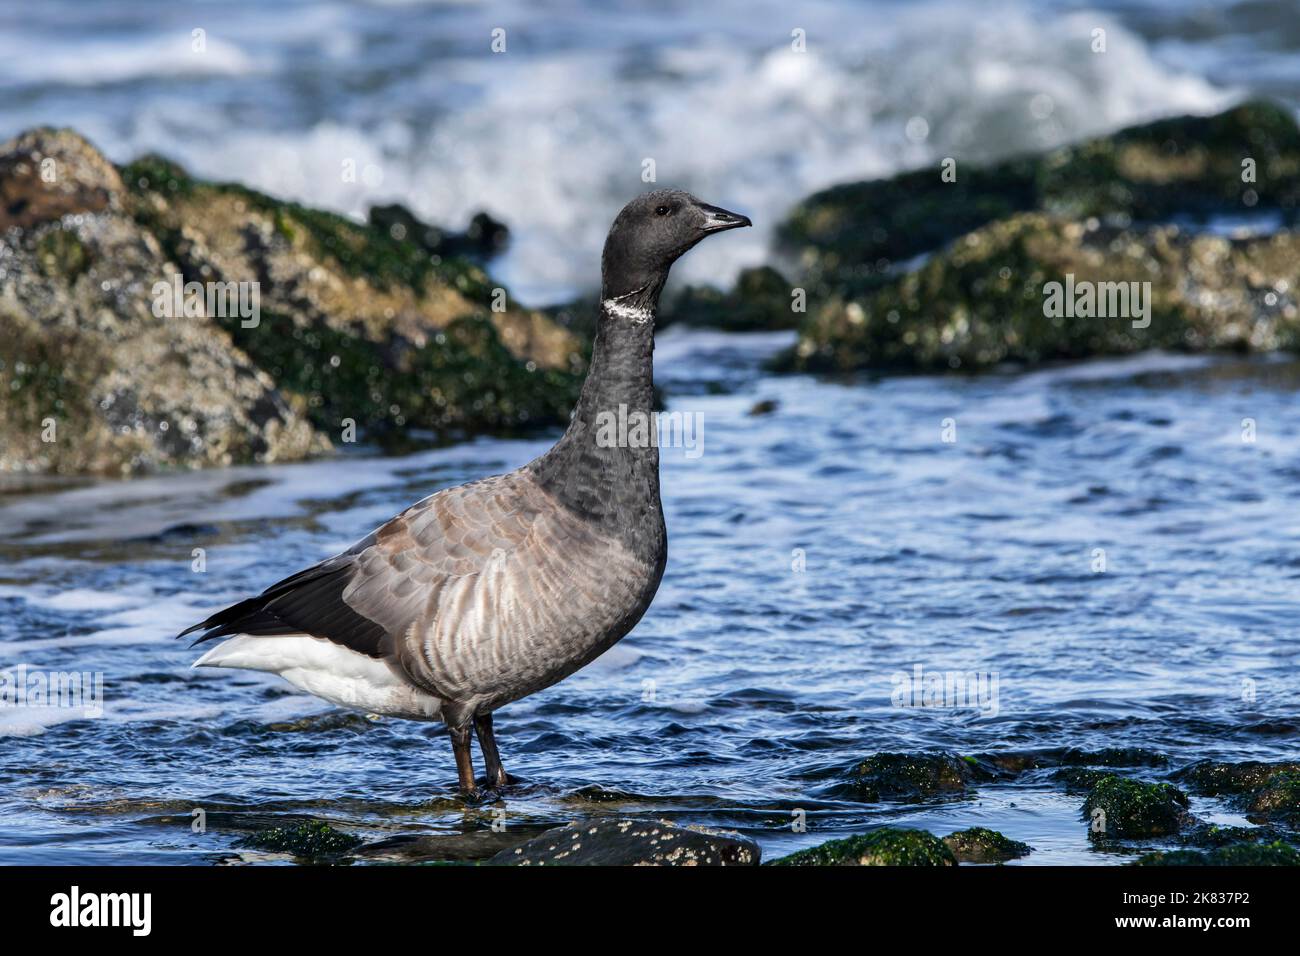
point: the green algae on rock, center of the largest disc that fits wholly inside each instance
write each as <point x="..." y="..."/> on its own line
<point x="889" y="846"/>
<point x="848" y="237"/>
<point x="91" y="379"/>
<point x="1276" y="853"/>
<point x="364" y="320"/>
<point x="984" y="300"/>
<point x="309" y="841"/>
<point x="982" y="845"/>
<point x="911" y="777"/>
<point x="1121" y="808"/>
<point x="352" y="325"/>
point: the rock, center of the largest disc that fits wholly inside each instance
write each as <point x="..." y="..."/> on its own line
<point x="485" y="237"/>
<point x="443" y="847"/>
<point x="365" y="326"/>
<point x="1213" y="835"/>
<point x="910" y="777"/>
<point x="1215" y="778"/>
<point x="632" y="843"/>
<point x="889" y="846"/>
<point x="760" y="300"/>
<point x="850" y="236"/>
<point x="99" y="373"/>
<point x="1279" y="798"/>
<point x="982" y="301"/>
<point x="310" y="841"/>
<point x="764" y="406"/>
<point x="1132" y="809"/>
<point x="1237" y="854"/>
<point x="981" y="845"/>
<point x="1113" y="757"/>
<point x="46" y="174"/>
<point x="91" y="380"/>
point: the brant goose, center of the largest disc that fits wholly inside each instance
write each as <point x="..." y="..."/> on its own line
<point x="487" y="592"/>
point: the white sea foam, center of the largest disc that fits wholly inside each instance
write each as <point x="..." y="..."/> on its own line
<point x="551" y="136"/>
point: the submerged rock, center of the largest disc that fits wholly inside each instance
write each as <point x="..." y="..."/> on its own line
<point x="442" y="847"/>
<point x="982" y="845"/>
<point x="986" y="299"/>
<point x="1215" y="778"/>
<point x="1236" y="854"/>
<point x="1120" y="808"/>
<point x="301" y="322"/>
<point x="632" y="843"/>
<point x="309" y="841"/>
<point x="889" y="846"/>
<point x="910" y="777"/>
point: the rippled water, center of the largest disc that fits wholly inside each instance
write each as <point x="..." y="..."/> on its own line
<point x="749" y="687"/>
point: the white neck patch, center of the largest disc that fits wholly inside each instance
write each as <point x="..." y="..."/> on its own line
<point x="624" y="311"/>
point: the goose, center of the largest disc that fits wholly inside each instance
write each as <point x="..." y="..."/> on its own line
<point x="486" y="592"/>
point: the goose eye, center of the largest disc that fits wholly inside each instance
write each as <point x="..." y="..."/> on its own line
<point x="662" y="211"/>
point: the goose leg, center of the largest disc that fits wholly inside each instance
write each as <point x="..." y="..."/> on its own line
<point x="487" y="742"/>
<point x="464" y="762"/>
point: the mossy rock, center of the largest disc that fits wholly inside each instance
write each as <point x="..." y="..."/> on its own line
<point x="890" y="846"/>
<point x="1237" y="854"/>
<point x="309" y="841"/>
<point x="760" y="300"/>
<point x="382" y="323"/>
<point x="982" y="845"/>
<point x="1278" y="798"/>
<point x="911" y="777"/>
<point x="1134" y="809"/>
<point x="984" y="300"/>
<point x="849" y="237"/>
<point x="1218" y="778"/>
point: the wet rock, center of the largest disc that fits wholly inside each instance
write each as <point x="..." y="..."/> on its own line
<point x="1211" y="835"/>
<point x="1113" y="757"/>
<point x="100" y="373"/>
<point x="1237" y="854"/>
<point x="765" y="406"/>
<point x="760" y="300"/>
<point x="314" y="841"/>
<point x="364" y="326"/>
<point x="443" y="848"/>
<point x="632" y="843"/>
<point x="1279" y="798"/>
<point x="889" y="846"/>
<point x="1217" y="778"/>
<point x="981" y="845"/>
<point x="984" y="300"/>
<point x="911" y="777"/>
<point x="91" y="379"/>
<point x="485" y="237"/>
<point x="1132" y="809"/>
<point x="850" y="236"/>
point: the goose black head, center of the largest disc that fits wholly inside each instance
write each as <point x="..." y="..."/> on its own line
<point x="650" y="234"/>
